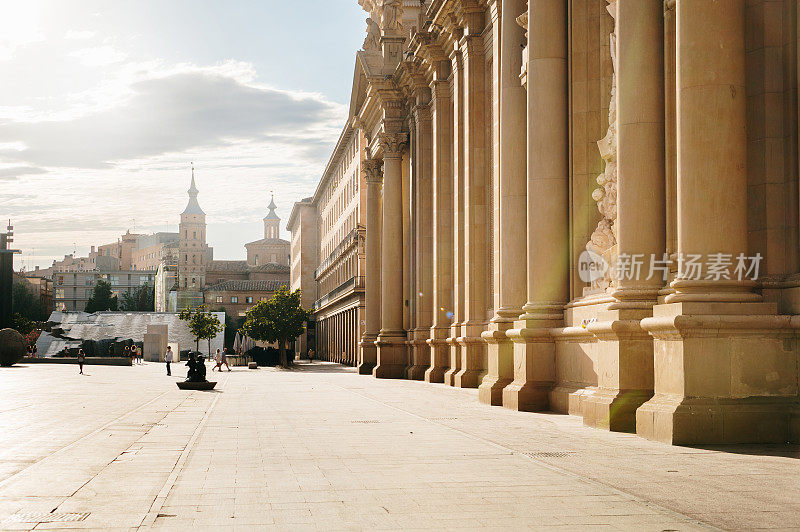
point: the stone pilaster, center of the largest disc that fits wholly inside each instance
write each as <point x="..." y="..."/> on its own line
<point x="423" y="212"/>
<point x="392" y="349"/>
<point x="725" y="364"/>
<point x="547" y="208"/>
<point x="476" y="209"/>
<point x="458" y="217"/>
<point x="442" y="189"/>
<point x="625" y="350"/>
<point x="372" y="293"/>
<point x="511" y="230"/>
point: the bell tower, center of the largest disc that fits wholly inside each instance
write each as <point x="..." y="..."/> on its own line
<point x="272" y="224"/>
<point x="192" y="247"/>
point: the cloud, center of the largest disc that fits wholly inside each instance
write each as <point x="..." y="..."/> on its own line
<point x="12" y="173"/>
<point x="79" y="35"/>
<point x="98" y="56"/>
<point x="185" y="109"/>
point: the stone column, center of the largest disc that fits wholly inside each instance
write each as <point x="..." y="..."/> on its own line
<point x="458" y="218"/>
<point x="392" y="351"/>
<point x="511" y="231"/>
<point x="442" y="138"/>
<point x="625" y="350"/>
<point x="372" y="289"/>
<point x="712" y="168"/>
<point x="725" y="364"/>
<point x="420" y="352"/>
<point x="476" y="211"/>
<point x="547" y="208"/>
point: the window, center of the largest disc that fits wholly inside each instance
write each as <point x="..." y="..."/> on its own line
<point x="248" y="299"/>
<point x="89" y="281"/>
<point x="115" y="280"/>
<point x="59" y="293"/>
<point x="234" y="299"/>
<point x="88" y="294"/>
<point x="194" y="281"/>
<point x="219" y="299"/>
<point x="194" y="234"/>
<point x="256" y="261"/>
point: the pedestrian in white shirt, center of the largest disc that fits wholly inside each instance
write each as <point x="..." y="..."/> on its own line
<point x="168" y="359"/>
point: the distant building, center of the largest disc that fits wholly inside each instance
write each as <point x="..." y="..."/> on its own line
<point x="271" y="248"/>
<point x="328" y="253"/>
<point x="193" y="252"/>
<point x="304" y="227"/>
<point x="72" y="289"/>
<point x="236" y="297"/>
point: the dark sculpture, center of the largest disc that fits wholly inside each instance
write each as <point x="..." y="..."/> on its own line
<point x="196" y="376"/>
<point x="12" y="347"/>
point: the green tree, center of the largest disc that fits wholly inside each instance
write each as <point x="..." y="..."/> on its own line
<point x="203" y="324"/>
<point x="141" y="298"/>
<point x="280" y="319"/>
<point x="26" y="304"/>
<point x="102" y="298"/>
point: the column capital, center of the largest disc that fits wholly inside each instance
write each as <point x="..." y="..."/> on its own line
<point x="393" y="144"/>
<point x="372" y="171"/>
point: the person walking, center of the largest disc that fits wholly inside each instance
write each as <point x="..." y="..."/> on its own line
<point x="168" y="359"/>
<point x="35" y="351"/>
<point x="224" y="359"/>
<point x="81" y="360"/>
<point x="217" y="361"/>
<point x="310" y="355"/>
<point x="140" y="354"/>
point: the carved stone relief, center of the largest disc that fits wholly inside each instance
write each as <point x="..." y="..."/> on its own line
<point x="604" y="238"/>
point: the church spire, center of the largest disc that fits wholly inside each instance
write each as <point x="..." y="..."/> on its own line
<point x="271" y="215"/>
<point x="193" y="207"/>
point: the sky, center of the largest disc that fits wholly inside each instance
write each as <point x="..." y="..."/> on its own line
<point x="105" y="105"/>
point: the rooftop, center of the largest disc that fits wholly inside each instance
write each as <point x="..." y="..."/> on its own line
<point x="247" y="286"/>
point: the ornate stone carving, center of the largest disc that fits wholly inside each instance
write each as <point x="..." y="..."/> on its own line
<point x="393" y="144"/>
<point x="604" y="238"/>
<point x="372" y="170"/>
<point x="392" y="15"/>
<point x="373" y="41"/>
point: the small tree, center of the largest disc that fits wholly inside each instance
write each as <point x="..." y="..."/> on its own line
<point x="280" y="319"/>
<point x="203" y="324"/>
<point x="141" y="298"/>
<point x="101" y="298"/>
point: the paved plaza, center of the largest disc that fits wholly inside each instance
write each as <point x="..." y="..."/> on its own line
<point x="320" y="447"/>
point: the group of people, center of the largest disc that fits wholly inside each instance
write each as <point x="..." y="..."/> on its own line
<point x="134" y="352"/>
<point x="220" y="358"/>
<point x="33" y="351"/>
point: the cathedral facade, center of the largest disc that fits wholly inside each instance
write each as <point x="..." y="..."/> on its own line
<point x="587" y="206"/>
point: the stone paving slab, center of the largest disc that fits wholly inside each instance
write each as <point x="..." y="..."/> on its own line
<point x="320" y="447"/>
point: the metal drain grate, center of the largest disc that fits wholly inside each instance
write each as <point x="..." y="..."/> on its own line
<point x="46" y="517"/>
<point x="443" y="418"/>
<point x="367" y="421"/>
<point x="550" y="454"/>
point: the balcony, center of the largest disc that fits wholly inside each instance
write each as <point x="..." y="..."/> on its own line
<point x="351" y="285"/>
<point x="355" y="237"/>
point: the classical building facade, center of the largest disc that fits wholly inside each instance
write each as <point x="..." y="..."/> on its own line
<point x="329" y="256"/>
<point x="585" y="206"/>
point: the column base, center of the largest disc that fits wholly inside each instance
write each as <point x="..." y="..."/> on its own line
<point x="624" y="369"/>
<point x="614" y="410"/>
<point x="678" y="420"/>
<point x="420" y="355"/>
<point x="473" y="362"/>
<point x="534" y="366"/>
<point x="455" y="361"/>
<point x="724" y="373"/>
<point x="391" y="357"/>
<point x="440" y="356"/>
<point x="500" y="362"/>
